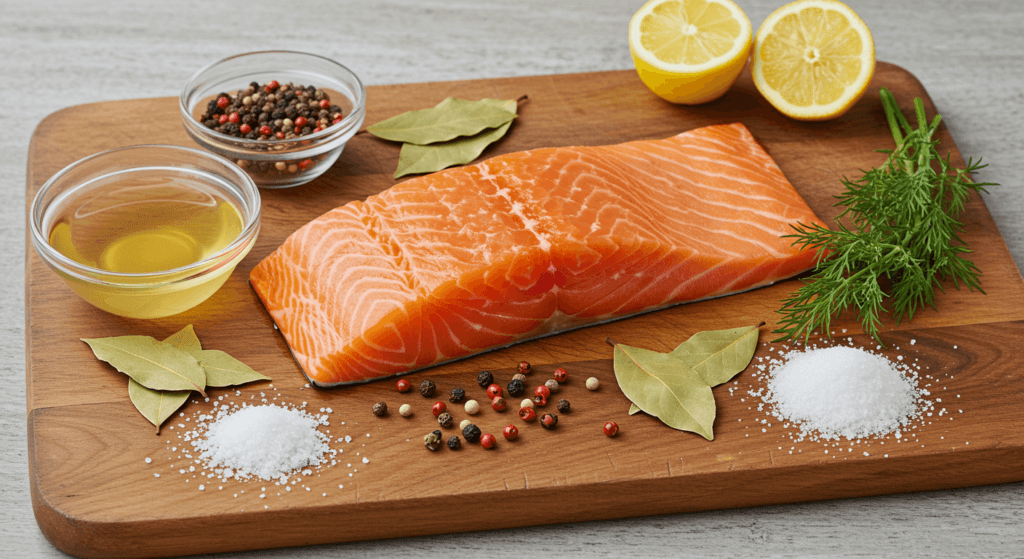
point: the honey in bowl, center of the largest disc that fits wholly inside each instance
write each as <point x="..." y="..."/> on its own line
<point x="146" y="231"/>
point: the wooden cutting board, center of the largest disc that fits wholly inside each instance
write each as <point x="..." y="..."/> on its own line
<point x="95" y="495"/>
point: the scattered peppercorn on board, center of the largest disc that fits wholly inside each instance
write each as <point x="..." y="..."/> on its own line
<point x="95" y="493"/>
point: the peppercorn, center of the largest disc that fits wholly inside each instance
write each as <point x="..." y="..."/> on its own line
<point x="445" y="420"/>
<point x="611" y="428"/>
<point x="563" y="406"/>
<point x="488" y="441"/>
<point x="510" y="432"/>
<point x="405" y="410"/>
<point x="540" y="395"/>
<point x="593" y="383"/>
<point x="403" y="385"/>
<point x="427" y="388"/>
<point x="561" y="375"/>
<point x="516" y="388"/>
<point x="520" y="377"/>
<point x="526" y="403"/>
<point x="524" y="368"/>
<point x="527" y="414"/>
<point x="493" y="391"/>
<point x="472" y="407"/>
<point x="438" y="408"/>
<point x="456" y="395"/>
<point x="552" y="385"/>
<point x="464" y="423"/>
<point x="438" y="433"/>
<point x="485" y="379"/>
<point x="549" y="420"/>
<point x="454" y="442"/>
<point x="471" y="432"/>
<point x="380" y="409"/>
<point x="498" y="403"/>
<point x="432" y="441"/>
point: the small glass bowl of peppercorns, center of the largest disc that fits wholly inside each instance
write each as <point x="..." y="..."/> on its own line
<point x="283" y="116"/>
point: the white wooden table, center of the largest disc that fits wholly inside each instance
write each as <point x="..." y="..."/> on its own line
<point x="57" y="53"/>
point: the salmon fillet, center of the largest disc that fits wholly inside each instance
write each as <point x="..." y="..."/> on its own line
<point x="527" y="244"/>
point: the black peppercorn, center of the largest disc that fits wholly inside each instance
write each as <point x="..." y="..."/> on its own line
<point x="380" y="409"/>
<point x="445" y="420"/>
<point x="438" y="433"/>
<point x="432" y="441"/>
<point x="456" y="395"/>
<point x="516" y="388"/>
<point x="454" y="442"/>
<point x="472" y="433"/>
<point x="549" y="420"/>
<point x="563" y="406"/>
<point x="485" y="379"/>
<point x="427" y="388"/>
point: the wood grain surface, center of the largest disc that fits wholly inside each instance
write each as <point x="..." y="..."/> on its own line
<point x="93" y="495"/>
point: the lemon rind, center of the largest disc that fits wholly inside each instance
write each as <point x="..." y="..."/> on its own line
<point x="739" y="47"/>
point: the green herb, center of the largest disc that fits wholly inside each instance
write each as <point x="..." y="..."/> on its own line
<point x="676" y="387"/>
<point x="903" y="237"/>
<point x="163" y="374"/>
<point x="448" y="120"/>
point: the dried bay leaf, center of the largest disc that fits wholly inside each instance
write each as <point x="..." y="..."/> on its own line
<point x="156" y="405"/>
<point x="448" y="120"/>
<point x="426" y="159"/>
<point x="719" y="355"/>
<point x="224" y="370"/>
<point x="151" y="363"/>
<point x="666" y="388"/>
<point x="185" y="339"/>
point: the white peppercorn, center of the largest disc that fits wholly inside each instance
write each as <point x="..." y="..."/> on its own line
<point x="527" y="403"/>
<point x="593" y="383"/>
<point x="472" y="407"/>
<point x="405" y="410"/>
<point x="552" y="385"/>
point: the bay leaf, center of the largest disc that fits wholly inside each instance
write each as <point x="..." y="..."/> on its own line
<point x="224" y="370"/>
<point x="185" y="339"/>
<point x="448" y="120"/>
<point x="415" y="159"/>
<point x="719" y="355"/>
<point x="151" y="363"/>
<point x="666" y="388"/>
<point x="634" y="409"/>
<point x="156" y="405"/>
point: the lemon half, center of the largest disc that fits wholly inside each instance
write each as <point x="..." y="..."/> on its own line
<point x="690" y="51"/>
<point x="813" y="59"/>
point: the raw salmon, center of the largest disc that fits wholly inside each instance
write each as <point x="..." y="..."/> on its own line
<point x="526" y="244"/>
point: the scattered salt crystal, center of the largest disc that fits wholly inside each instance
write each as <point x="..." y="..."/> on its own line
<point x="366" y="460"/>
<point x="149" y="460"/>
<point x="202" y="487"/>
<point x="156" y="475"/>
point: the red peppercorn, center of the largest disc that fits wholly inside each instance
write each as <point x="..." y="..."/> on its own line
<point x="337" y="120"/>
<point x="438" y="409"/>
<point x="488" y="441"/>
<point x="325" y="104"/>
<point x="245" y="129"/>
<point x="524" y="367"/>
<point x="233" y="117"/>
<point x="493" y="391"/>
<point x="317" y="129"/>
<point x="272" y="85"/>
<point x="527" y="414"/>
<point x="305" y="163"/>
<point x="300" y="122"/>
<point x="498" y="403"/>
<point x="611" y="428"/>
<point x="223" y="102"/>
<point x="222" y="119"/>
<point x="279" y="135"/>
<point x="266" y="131"/>
<point x="561" y="375"/>
<point x="540" y="394"/>
<point x="510" y="432"/>
<point x="403" y="385"/>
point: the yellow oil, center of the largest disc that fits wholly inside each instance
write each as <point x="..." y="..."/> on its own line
<point x="143" y="224"/>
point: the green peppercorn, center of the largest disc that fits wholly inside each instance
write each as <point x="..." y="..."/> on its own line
<point x="563" y="406"/>
<point x="456" y="395"/>
<point x="380" y="409"/>
<point x="472" y="433"/>
<point x="516" y="388"/>
<point x="485" y="379"/>
<point x="432" y="441"/>
<point x="427" y="388"/>
<point x="445" y="420"/>
<point x="454" y="442"/>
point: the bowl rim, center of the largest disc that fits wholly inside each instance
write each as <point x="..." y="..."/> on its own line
<point x="88" y="273"/>
<point x="358" y="103"/>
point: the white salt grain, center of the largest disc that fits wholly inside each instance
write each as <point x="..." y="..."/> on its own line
<point x="842" y="392"/>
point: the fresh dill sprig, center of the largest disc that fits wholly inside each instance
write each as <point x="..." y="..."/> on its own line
<point x="903" y="236"/>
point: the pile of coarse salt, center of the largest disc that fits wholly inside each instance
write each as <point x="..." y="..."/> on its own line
<point x="267" y="441"/>
<point x="844" y="392"/>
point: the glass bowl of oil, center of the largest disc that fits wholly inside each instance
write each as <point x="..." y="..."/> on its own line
<point x="146" y="231"/>
<point x="272" y="161"/>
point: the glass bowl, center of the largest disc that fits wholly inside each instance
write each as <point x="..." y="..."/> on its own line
<point x="146" y="231"/>
<point x="276" y="162"/>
